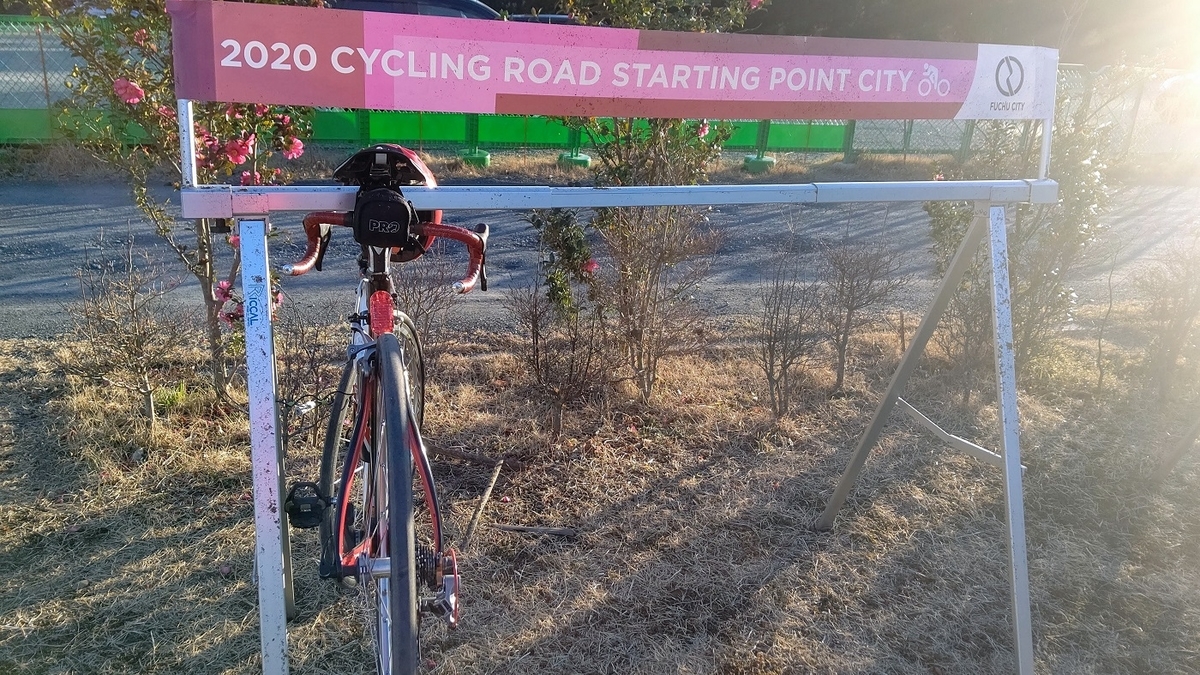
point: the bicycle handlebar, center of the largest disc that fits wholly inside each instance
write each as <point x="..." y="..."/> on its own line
<point x="317" y="230"/>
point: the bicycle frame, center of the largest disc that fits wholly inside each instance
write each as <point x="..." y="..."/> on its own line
<point x="377" y="279"/>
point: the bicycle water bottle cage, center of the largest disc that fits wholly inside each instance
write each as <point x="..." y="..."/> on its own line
<point x="305" y="505"/>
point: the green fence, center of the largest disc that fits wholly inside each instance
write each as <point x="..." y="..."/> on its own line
<point x="500" y="132"/>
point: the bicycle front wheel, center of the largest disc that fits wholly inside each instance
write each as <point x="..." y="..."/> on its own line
<point x="397" y="599"/>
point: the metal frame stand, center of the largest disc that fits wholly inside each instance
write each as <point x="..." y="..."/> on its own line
<point x="273" y="547"/>
<point x="989" y="219"/>
<point x="252" y="205"/>
<point x="272" y="552"/>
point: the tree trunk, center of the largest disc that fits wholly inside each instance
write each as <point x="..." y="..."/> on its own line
<point x="205" y="272"/>
<point x="147" y="393"/>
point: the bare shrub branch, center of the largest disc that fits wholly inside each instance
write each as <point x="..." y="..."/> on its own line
<point x="856" y="278"/>
<point x="1172" y="289"/>
<point x="567" y="352"/>
<point x="124" y="338"/>
<point x="788" y="330"/>
<point x="661" y="255"/>
<point x="423" y="289"/>
<point x="309" y="353"/>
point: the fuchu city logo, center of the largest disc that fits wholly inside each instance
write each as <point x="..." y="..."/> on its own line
<point x="1010" y="76"/>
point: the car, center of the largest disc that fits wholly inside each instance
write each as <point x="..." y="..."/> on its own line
<point x="461" y="9"/>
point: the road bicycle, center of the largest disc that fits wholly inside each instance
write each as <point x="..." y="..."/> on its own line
<point x="375" y="501"/>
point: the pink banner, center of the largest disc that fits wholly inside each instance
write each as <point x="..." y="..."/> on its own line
<point x="311" y="56"/>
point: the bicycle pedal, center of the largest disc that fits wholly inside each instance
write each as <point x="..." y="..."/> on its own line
<point x="305" y="505"/>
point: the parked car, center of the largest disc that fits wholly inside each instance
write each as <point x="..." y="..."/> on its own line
<point x="461" y="9"/>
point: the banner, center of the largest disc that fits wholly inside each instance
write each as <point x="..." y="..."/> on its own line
<point x="250" y="53"/>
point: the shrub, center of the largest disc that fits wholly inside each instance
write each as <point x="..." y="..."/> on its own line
<point x="121" y="108"/>
<point x="657" y="254"/>
<point x="1171" y="288"/>
<point x="855" y="279"/>
<point x="788" y="330"/>
<point x="566" y="348"/>
<point x="123" y="335"/>
<point x="1046" y="243"/>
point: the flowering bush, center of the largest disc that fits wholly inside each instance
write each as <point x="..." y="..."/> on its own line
<point x="121" y="108"/>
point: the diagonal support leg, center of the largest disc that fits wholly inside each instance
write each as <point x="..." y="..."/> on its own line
<point x="1006" y="391"/>
<point x="958" y="267"/>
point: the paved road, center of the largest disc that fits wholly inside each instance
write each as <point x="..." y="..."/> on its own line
<point x="48" y="231"/>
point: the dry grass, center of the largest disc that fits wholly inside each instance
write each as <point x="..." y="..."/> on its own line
<point x="694" y="555"/>
<point x="57" y="162"/>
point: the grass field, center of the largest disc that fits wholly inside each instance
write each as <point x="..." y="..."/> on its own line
<point x="132" y="551"/>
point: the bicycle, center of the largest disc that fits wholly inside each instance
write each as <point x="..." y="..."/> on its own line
<point x="374" y="464"/>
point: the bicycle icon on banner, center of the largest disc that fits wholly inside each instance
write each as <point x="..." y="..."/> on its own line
<point x="931" y="82"/>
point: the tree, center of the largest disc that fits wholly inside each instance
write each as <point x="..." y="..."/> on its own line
<point x="121" y="108"/>
<point x="659" y="254"/>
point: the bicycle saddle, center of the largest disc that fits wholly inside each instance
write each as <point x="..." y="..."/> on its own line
<point x="384" y="165"/>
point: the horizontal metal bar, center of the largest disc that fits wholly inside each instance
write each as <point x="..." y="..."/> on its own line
<point x="228" y="201"/>
<point x="997" y="191"/>
<point x="957" y="442"/>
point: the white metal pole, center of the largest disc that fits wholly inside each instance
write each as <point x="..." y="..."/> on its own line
<point x="1006" y="389"/>
<point x="264" y="445"/>
<point x="1047" y="140"/>
<point x="185" y="117"/>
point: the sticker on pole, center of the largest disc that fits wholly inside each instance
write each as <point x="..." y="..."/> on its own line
<point x="251" y="53"/>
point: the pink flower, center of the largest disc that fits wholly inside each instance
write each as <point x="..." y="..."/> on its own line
<point x="167" y="112"/>
<point x="591" y="267"/>
<point x="128" y="91"/>
<point x="238" y="150"/>
<point x="279" y="299"/>
<point x="139" y="36"/>
<point x="284" y="119"/>
<point x="249" y="178"/>
<point x="755" y="4"/>
<point x="232" y="112"/>
<point x="940" y="176"/>
<point x="261" y="109"/>
<point x="222" y="291"/>
<point x="293" y="149"/>
<point x="235" y="241"/>
<point x="703" y="130"/>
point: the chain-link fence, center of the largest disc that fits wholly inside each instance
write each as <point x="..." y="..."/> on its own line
<point x="34" y="67"/>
